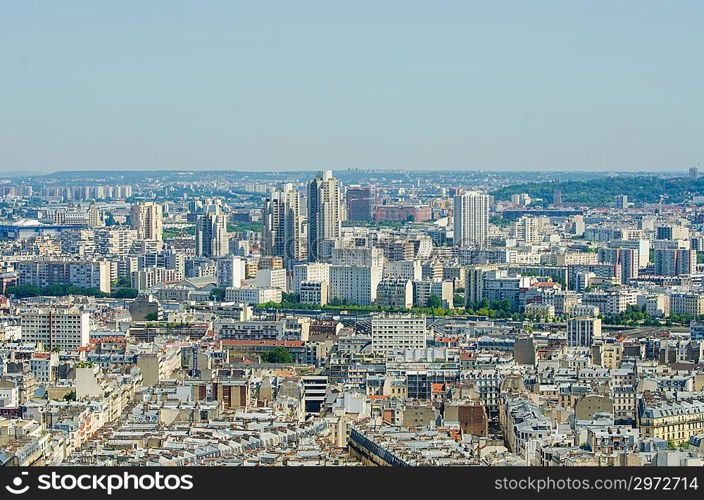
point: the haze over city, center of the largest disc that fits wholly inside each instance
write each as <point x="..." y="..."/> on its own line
<point x="542" y="85"/>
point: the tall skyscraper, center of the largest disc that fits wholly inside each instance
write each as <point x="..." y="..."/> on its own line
<point x="283" y="225"/>
<point x="324" y="212"/>
<point x="211" y="233"/>
<point x="146" y="217"/>
<point x="471" y="220"/>
<point x="229" y="271"/>
<point x="627" y="258"/>
<point x="95" y="216"/>
<point x="675" y="261"/>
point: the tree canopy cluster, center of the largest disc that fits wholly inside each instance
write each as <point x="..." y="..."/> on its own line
<point x="24" y="291"/>
<point x="277" y="355"/>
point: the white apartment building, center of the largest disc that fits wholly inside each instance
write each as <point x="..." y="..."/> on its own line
<point x="289" y="328"/>
<point x="404" y="269"/>
<point x="66" y="329"/>
<point x="271" y="278"/>
<point x="530" y="230"/>
<point x="398" y="332"/>
<point x="315" y="271"/>
<point x="9" y="394"/>
<point x="42" y="365"/>
<point x="611" y="302"/>
<point x="687" y="303"/>
<point x="146" y="218"/>
<point x="423" y="290"/>
<point x="114" y="240"/>
<point x="657" y="305"/>
<point x="229" y="272"/>
<point x="581" y="332"/>
<point x="150" y="276"/>
<point x="85" y="274"/>
<point x="282" y="234"/>
<point x="355" y="284"/>
<point x="252" y="295"/>
<point x="471" y="220"/>
<point x="358" y="256"/>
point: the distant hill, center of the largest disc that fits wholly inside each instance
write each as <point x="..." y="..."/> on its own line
<point x="599" y="192"/>
<point x="18" y="173"/>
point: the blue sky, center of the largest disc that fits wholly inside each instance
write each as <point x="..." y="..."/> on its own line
<point x="512" y="85"/>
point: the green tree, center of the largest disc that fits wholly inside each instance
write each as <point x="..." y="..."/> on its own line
<point x="499" y="221"/>
<point x="239" y="227"/>
<point x="22" y="291"/>
<point x="152" y="316"/>
<point x="291" y="298"/>
<point x="110" y="219"/>
<point x="71" y="396"/>
<point x="124" y="293"/>
<point x="217" y="294"/>
<point x="601" y="191"/>
<point x="434" y="301"/>
<point x="277" y="355"/>
<point x="122" y="282"/>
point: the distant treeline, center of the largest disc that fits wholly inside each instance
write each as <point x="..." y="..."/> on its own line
<point x="598" y="192"/>
<point x="24" y="291"/>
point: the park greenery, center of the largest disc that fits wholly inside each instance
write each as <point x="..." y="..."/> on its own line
<point x="633" y="315"/>
<point x="176" y="232"/>
<point x="239" y="227"/>
<point x="491" y="309"/>
<point x="341" y="305"/>
<point x="498" y="220"/>
<point x="636" y="316"/>
<point x="501" y="309"/>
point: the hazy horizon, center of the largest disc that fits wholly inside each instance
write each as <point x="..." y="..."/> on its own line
<point x="666" y="173"/>
<point x="312" y="85"/>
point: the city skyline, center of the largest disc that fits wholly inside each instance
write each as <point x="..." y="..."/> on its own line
<point x="451" y="236"/>
<point x="352" y="320"/>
